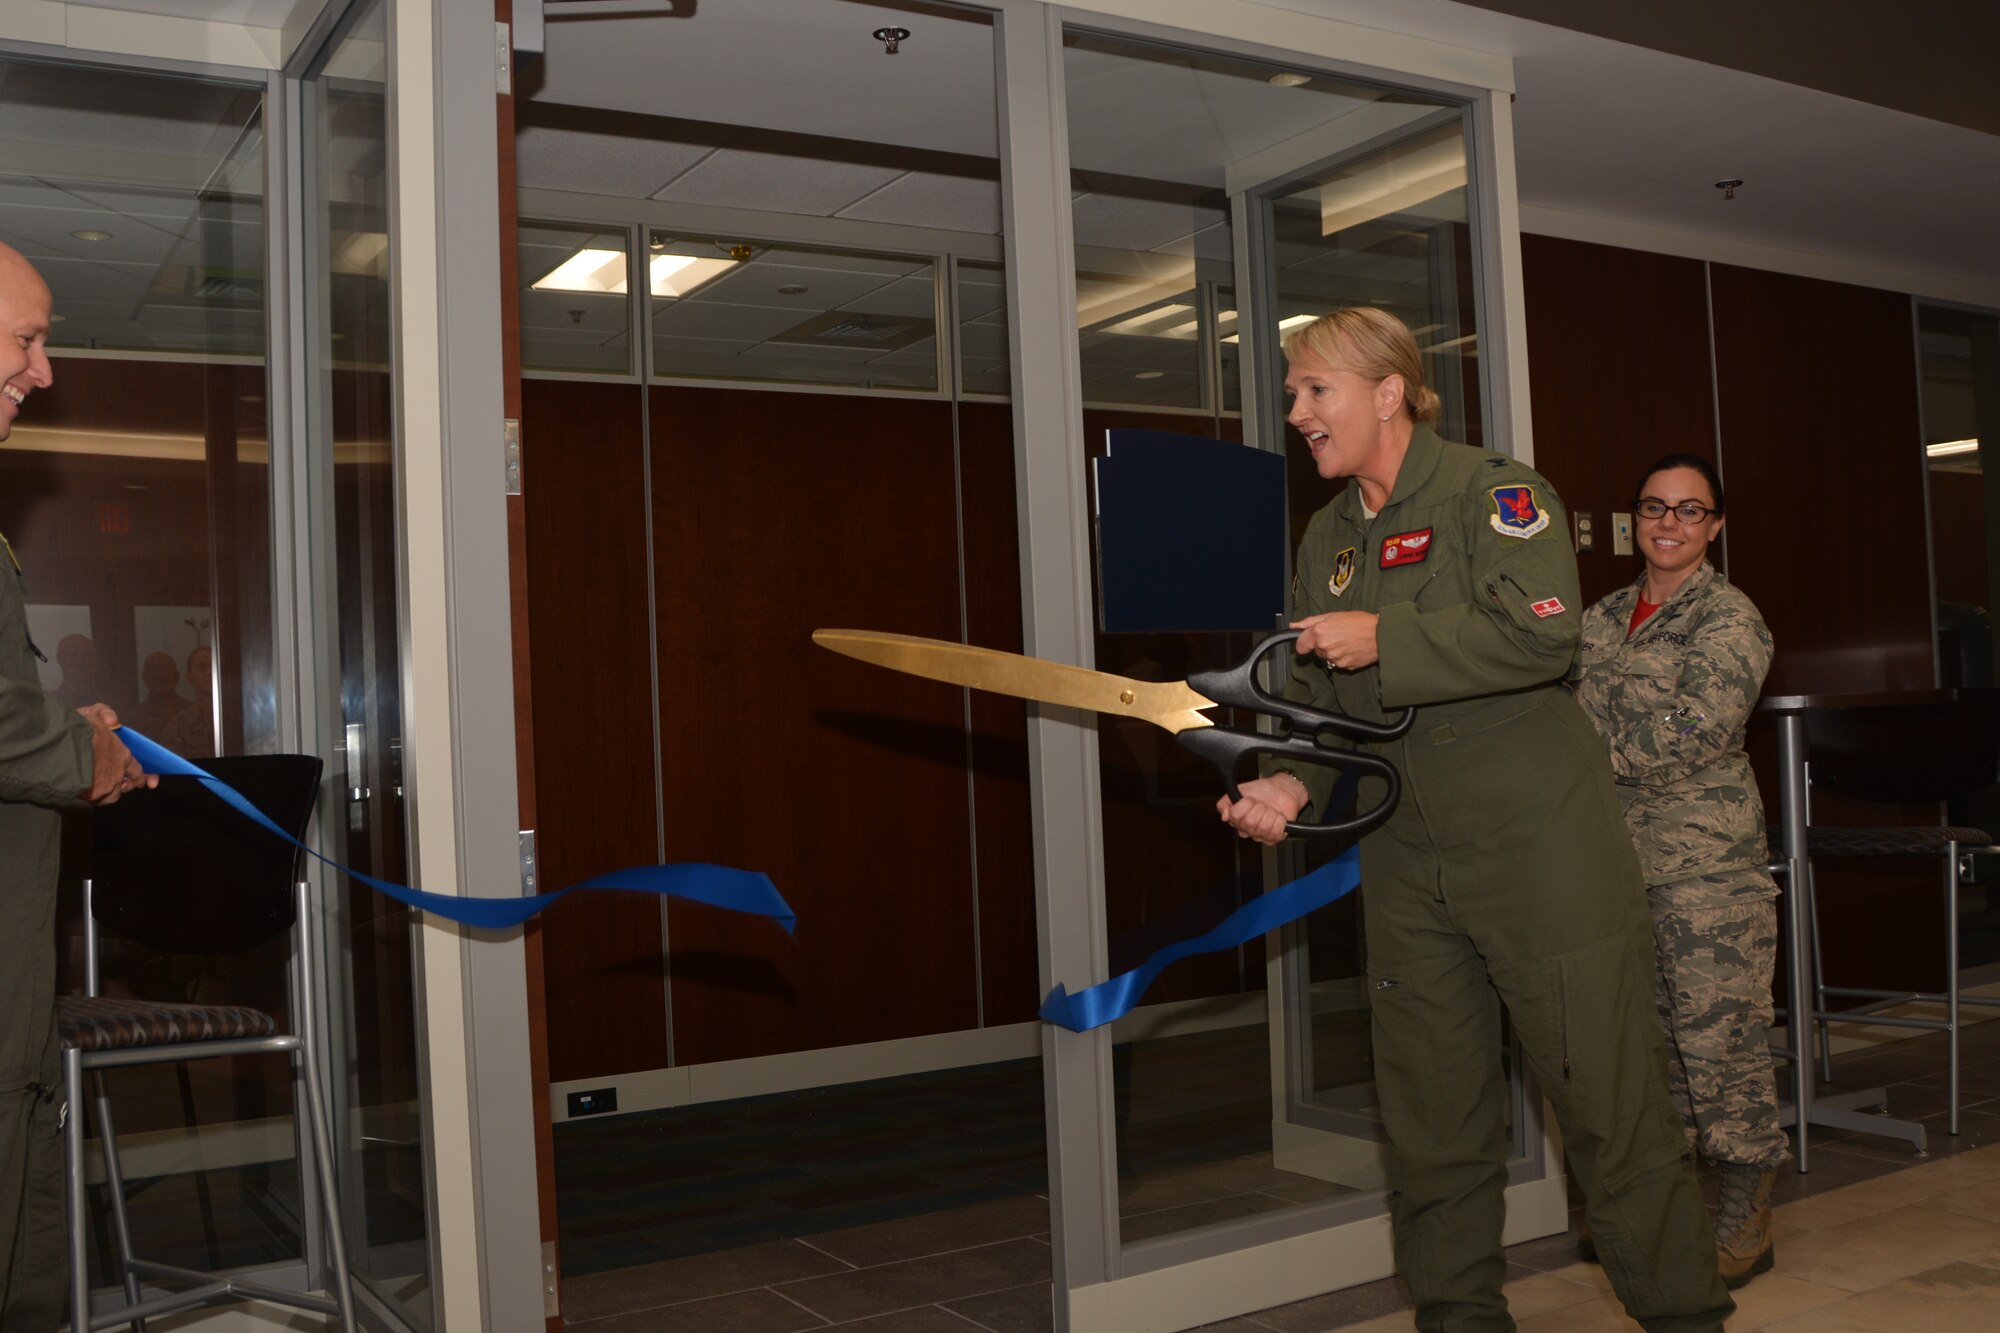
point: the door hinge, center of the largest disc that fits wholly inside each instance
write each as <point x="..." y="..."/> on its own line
<point x="551" y="1297"/>
<point x="529" y="874"/>
<point x="510" y="435"/>
<point x="503" y="59"/>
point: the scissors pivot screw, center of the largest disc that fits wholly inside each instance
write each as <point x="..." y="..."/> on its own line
<point x="1126" y="696"/>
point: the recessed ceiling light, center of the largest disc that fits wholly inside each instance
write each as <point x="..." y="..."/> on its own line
<point x="1149" y="374"/>
<point x="91" y="234"/>
<point x="1289" y="79"/>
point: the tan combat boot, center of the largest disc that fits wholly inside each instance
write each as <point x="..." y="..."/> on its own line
<point x="1743" y="1224"/>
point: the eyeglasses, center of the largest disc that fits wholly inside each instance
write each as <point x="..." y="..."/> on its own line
<point x="1687" y="511"/>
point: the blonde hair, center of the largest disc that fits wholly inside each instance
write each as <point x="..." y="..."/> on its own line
<point x="1373" y="344"/>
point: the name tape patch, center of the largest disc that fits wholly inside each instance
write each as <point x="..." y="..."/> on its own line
<point x="1406" y="548"/>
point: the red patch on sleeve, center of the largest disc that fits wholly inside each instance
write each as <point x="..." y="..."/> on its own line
<point x="1551" y="606"/>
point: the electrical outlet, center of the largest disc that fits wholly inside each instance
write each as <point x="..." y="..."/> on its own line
<point x="1621" y="534"/>
<point x="1586" y="533"/>
<point x="594" y="1102"/>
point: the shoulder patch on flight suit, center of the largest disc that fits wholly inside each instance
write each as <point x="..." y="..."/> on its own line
<point x="1548" y="606"/>
<point x="1406" y="548"/>
<point x="1343" y="572"/>
<point x="1515" y="513"/>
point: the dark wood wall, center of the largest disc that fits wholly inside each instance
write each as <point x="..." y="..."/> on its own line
<point x="892" y="813"/>
<point x="1814" y="386"/>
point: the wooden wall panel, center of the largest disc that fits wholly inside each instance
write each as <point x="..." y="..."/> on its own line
<point x="1820" y="434"/>
<point x="1821" y="423"/>
<point x="1003" y="822"/>
<point x="593" y="721"/>
<point x="1606" y="407"/>
<point x="775" y="514"/>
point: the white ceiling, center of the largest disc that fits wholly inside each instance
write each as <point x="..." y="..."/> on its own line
<point x="1603" y="130"/>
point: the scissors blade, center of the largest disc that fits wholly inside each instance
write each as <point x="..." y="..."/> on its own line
<point x="1173" y="705"/>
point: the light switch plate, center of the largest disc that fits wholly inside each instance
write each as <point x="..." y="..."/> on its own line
<point x="1621" y="534"/>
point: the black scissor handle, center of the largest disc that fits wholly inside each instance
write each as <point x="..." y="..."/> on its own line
<point x="1237" y="687"/>
<point x="1226" y="748"/>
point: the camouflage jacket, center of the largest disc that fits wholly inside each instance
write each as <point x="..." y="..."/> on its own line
<point x="1671" y="702"/>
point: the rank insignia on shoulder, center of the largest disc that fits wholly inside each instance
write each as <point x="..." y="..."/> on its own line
<point x="1515" y="513"/>
<point x="1548" y="606"/>
<point x="1406" y="548"/>
<point x="1343" y="572"/>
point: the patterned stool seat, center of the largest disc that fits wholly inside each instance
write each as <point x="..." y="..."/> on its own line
<point x="93" y="1023"/>
<point x="1918" y="840"/>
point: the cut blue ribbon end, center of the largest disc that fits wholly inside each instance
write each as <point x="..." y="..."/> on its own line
<point x="1108" y="1001"/>
<point x="734" y="890"/>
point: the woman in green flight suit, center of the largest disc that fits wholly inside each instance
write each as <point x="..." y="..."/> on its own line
<point x="1441" y="578"/>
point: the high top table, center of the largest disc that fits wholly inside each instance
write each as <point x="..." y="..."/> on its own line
<point x="1789" y="711"/>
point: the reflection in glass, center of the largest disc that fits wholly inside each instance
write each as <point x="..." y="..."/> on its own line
<point x="744" y="310"/>
<point x="982" y="329"/>
<point x="575" y="306"/>
<point x="1225" y="1111"/>
<point x="136" y="493"/>
<point x="361" y="815"/>
<point x="1960" y="354"/>
<point x="1391" y="228"/>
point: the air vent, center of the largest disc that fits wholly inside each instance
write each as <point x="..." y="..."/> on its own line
<point x="842" y="328"/>
<point x="230" y="288"/>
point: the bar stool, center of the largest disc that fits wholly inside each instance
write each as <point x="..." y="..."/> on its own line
<point x="1920" y="754"/>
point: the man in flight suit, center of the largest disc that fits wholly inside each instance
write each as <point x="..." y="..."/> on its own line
<point x="1441" y="578"/>
<point x="49" y="757"/>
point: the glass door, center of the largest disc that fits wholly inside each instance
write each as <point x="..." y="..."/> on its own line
<point x="349" y="424"/>
<point x="1217" y="198"/>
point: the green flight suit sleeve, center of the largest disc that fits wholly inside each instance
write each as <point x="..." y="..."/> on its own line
<point x="1668" y="725"/>
<point x="45" y="753"/>
<point x="1496" y="640"/>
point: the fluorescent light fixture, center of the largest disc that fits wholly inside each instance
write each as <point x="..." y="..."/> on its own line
<point x="1400" y="177"/>
<point x="603" y="272"/>
<point x="1151" y="321"/>
<point x="363" y="253"/>
<point x="1950" y="447"/>
<point x="1285" y="325"/>
<point x="679" y="275"/>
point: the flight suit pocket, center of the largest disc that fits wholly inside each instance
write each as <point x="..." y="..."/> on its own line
<point x="1603" y="1062"/>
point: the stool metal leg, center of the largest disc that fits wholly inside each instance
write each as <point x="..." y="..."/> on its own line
<point x="1822" y="1028"/>
<point x="114" y="1184"/>
<point x="79" y="1229"/>
<point x="1951" y="979"/>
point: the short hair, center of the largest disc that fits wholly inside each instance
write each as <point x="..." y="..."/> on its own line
<point x="1372" y="343"/>
<point x="1694" y="462"/>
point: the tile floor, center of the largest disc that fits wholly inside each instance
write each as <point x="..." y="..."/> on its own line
<point x="1872" y="1238"/>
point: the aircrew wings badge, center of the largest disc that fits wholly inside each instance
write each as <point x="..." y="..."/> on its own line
<point x="1343" y="572"/>
<point x="1515" y="513"/>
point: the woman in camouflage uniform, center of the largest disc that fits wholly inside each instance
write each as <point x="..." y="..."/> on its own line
<point x="1668" y="670"/>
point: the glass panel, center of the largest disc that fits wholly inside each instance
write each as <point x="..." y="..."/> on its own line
<point x="983" y="366"/>
<point x="576" y="310"/>
<point x="744" y="310"/>
<point x="1960" y="352"/>
<point x="1391" y="228"/>
<point x="136" y="494"/>
<point x="1165" y="145"/>
<point x="361" y="814"/>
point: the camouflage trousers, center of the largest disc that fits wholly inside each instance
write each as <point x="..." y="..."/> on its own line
<point x="1715" y="946"/>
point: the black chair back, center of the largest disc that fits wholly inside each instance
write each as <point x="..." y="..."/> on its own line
<point x="1907" y="753"/>
<point x="178" y="870"/>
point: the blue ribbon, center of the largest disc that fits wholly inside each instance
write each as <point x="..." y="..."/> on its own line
<point x="718" y="886"/>
<point x="1108" y="1000"/>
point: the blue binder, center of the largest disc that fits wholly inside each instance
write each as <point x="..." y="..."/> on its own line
<point x="1191" y="534"/>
